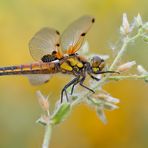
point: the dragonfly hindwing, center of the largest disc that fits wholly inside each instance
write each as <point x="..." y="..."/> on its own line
<point x="38" y="79"/>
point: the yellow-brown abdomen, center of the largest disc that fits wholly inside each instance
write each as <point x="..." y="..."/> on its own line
<point x="33" y="68"/>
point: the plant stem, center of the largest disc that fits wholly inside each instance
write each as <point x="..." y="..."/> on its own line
<point x="128" y="77"/>
<point x="47" y="136"/>
<point x="119" y="55"/>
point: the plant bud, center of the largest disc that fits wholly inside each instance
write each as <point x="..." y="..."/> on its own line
<point x="141" y="70"/>
<point x="126" y="66"/>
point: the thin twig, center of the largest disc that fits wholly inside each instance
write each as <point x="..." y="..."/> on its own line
<point x="128" y="77"/>
<point x="47" y="136"/>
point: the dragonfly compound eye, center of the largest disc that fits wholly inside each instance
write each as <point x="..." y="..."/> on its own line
<point x="97" y="63"/>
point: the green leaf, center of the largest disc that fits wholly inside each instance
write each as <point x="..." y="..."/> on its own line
<point x="61" y="113"/>
<point x="145" y="38"/>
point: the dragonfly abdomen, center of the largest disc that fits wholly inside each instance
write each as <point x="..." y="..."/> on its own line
<point x="33" y="68"/>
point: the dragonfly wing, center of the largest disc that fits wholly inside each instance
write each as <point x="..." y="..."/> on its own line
<point x="84" y="49"/>
<point x="73" y="36"/>
<point x="38" y="79"/>
<point x="44" y="42"/>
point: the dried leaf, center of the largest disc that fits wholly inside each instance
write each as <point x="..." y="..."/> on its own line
<point x="138" y="20"/>
<point x="44" y="103"/>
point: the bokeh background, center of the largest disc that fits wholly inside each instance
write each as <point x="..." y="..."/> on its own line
<point x="19" y="109"/>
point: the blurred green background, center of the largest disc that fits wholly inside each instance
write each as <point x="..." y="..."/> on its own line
<point x="19" y="109"/>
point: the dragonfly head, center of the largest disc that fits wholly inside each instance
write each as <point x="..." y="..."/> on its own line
<point x="97" y="64"/>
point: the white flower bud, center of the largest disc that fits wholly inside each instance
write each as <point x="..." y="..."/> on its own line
<point x="141" y="70"/>
<point x="125" y="28"/>
<point x="110" y="106"/>
<point x="138" y="20"/>
<point x="108" y="98"/>
<point x="126" y="66"/>
<point x="112" y="99"/>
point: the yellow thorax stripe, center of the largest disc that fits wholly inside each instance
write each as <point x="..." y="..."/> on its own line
<point x="66" y="66"/>
<point x="72" y="61"/>
<point x="75" y="62"/>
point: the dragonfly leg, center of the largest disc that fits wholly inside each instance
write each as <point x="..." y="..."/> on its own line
<point x="102" y="72"/>
<point x="72" y="89"/>
<point x="66" y="86"/>
<point x="81" y="83"/>
<point x="95" y="78"/>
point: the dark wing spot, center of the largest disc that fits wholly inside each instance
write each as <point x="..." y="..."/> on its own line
<point x="48" y="58"/>
<point x="93" y="20"/>
<point x="83" y="34"/>
<point x="57" y="44"/>
<point x="58" y="32"/>
<point x="46" y="81"/>
<point x="54" y="52"/>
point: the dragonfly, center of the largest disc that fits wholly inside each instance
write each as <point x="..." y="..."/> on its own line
<point x="54" y="53"/>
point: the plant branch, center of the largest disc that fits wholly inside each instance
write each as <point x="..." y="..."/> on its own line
<point x="47" y="136"/>
<point x="143" y="77"/>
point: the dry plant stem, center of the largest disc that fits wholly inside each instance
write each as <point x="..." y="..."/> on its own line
<point x="47" y="136"/>
<point x="143" y="77"/>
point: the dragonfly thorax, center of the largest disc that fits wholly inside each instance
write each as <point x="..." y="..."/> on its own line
<point x="71" y="64"/>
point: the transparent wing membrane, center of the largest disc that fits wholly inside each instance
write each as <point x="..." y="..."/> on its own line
<point x="38" y="79"/>
<point x="44" y="42"/>
<point x="73" y="37"/>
